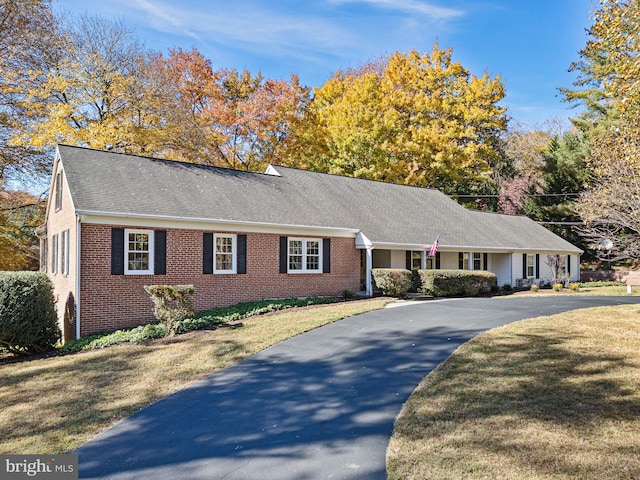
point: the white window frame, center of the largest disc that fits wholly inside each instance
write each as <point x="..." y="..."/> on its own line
<point x="58" y="192"/>
<point x="128" y="271"/>
<point x="305" y="242"/>
<point x="64" y="253"/>
<point x="54" y="254"/>
<point x="234" y="253"/>
<point x="416" y="255"/>
<point x="477" y="256"/>
<point x="531" y="262"/>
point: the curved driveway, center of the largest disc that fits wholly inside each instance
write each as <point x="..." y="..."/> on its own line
<point x="320" y="405"/>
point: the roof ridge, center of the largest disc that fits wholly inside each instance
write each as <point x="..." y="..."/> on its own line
<point x="162" y="160"/>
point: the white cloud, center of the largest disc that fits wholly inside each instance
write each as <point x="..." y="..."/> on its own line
<point x="265" y="32"/>
<point x="413" y="7"/>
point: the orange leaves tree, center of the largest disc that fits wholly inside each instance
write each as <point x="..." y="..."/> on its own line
<point x="234" y="119"/>
<point x="416" y="119"/>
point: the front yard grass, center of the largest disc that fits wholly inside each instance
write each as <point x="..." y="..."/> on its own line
<point x="53" y="405"/>
<point x="549" y="398"/>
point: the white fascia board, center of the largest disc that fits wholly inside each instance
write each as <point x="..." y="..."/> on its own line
<point x="362" y="242"/>
<point x="221" y="225"/>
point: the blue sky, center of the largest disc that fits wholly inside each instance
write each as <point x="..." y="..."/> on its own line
<point x="529" y="43"/>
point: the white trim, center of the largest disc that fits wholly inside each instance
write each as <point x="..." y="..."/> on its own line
<point x="234" y="253"/>
<point x="145" y="221"/>
<point x="150" y="233"/>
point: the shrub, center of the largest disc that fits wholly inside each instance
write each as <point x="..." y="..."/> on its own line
<point x="348" y="294"/>
<point x="171" y="303"/>
<point x="495" y="288"/>
<point x="107" y="339"/>
<point x="392" y="281"/>
<point x="453" y="283"/>
<point x="28" y="319"/>
<point x="203" y="319"/>
<point x="534" y="288"/>
<point x="557" y="287"/>
<point x="574" y="286"/>
<point x="507" y="287"/>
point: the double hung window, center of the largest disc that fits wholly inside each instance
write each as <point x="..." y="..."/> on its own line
<point x="138" y="252"/>
<point x="531" y="268"/>
<point x="305" y="255"/>
<point x="225" y="253"/>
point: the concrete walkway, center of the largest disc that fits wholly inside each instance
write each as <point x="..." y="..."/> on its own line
<point x="320" y="405"/>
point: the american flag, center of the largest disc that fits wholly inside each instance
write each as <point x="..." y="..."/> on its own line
<point x="434" y="247"/>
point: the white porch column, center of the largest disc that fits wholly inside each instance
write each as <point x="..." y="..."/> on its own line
<point x="469" y="261"/>
<point x="423" y="260"/>
<point x="368" y="266"/>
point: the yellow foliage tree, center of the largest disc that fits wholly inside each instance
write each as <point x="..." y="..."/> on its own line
<point x="418" y="119"/>
<point x="609" y="88"/>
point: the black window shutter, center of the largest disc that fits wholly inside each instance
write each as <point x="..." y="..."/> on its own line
<point x="437" y="260"/>
<point x="460" y="261"/>
<point x="569" y="264"/>
<point x="207" y="253"/>
<point x="117" y="251"/>
<point x="160" y="252"/>
<point x="537" y="265"/>
<point x="284" y="246"/>
<point x="408" y="260"/>
<point x="241" y="259"/>
<point x="326" y="255"/>
<point x="524" y="265"/>
<point x="485" y="261"/>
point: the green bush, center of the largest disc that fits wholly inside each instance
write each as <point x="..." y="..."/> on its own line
<point x="574" y="286"/>
<point x="171" y="303"/>
<point x="28" y="319"/>
<point x="507" y="287"/>
<point x="392" y="281"/>
<point x="106" y="339"/>
<point x="456" y="283"/>
<point x="557" y="287"/>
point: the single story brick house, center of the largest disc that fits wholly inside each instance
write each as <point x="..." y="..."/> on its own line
<point x="117" y="222"/>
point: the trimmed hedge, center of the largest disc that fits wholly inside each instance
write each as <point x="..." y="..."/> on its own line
<point x="456" y="283"/>
<point x="392" y="281"/>
<point x="28" y="319"/>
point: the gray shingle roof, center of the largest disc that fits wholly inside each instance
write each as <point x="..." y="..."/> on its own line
<point x="118" y="184"/>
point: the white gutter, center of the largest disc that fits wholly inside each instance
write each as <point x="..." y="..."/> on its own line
<point x="213" y="221"/>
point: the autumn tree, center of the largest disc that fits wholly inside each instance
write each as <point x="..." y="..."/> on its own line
<point x="20" y="214"/>
<point x="416" y="119"/>
<point x="29" y="44"/>
<point x="234" y="119"/>
<point x="608" y="86"/>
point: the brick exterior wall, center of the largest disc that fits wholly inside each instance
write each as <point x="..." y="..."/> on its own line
<point x="116" y="301"/>
<point x="64" y="285"/>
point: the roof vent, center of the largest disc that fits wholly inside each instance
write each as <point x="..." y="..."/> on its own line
<point x="271" y="170"/>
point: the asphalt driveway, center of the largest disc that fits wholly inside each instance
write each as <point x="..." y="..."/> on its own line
<point x="320" y="405"/>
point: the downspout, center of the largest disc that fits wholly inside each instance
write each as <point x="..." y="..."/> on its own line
<point x="78" y="223"/>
